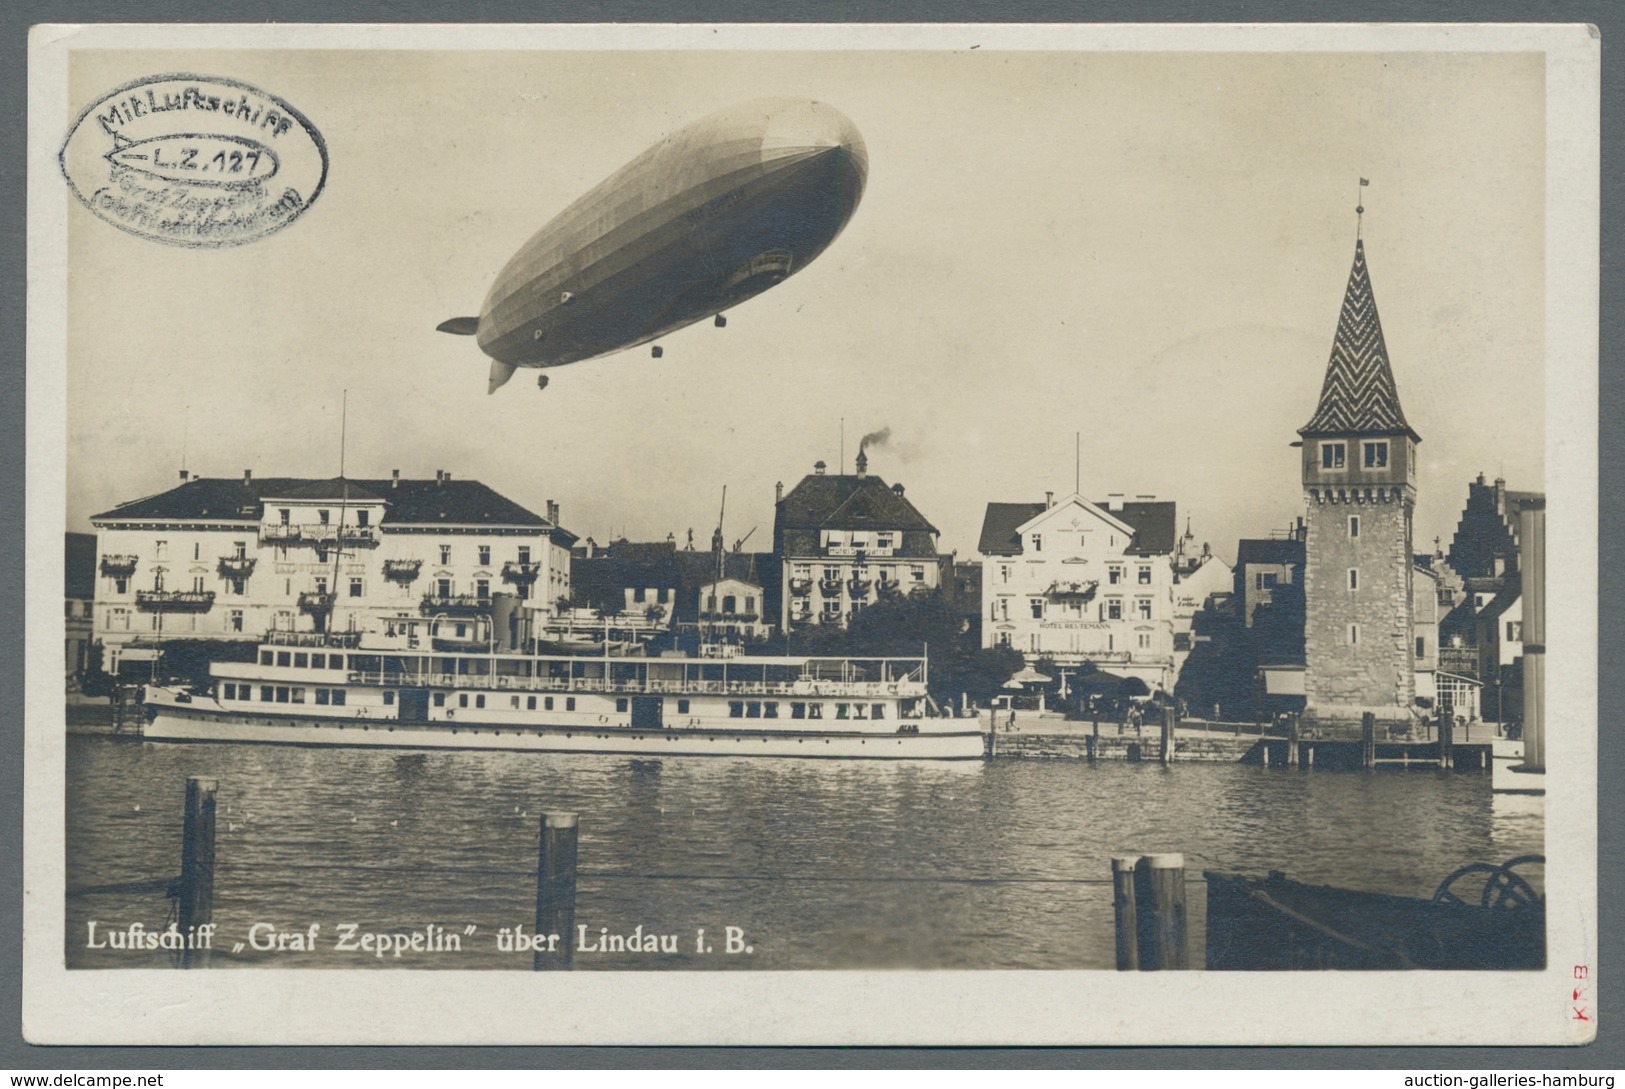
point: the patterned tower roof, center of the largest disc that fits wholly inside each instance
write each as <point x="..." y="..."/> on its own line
<point x="1359" y="396"/>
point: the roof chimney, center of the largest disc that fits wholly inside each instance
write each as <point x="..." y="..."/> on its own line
<point x="248" y="475"/>
<point x="553" y="511"/>
<point x="863" y="465"/>
<point x="898" y="489"/>
<point x="778" y="492"/>
<point x="1114" y="501"/>
<point x="184" y="476"/>
<point x="1049" y="500"/>
<point x="818" y="468"/>
<point x="394" y="478"/>
<point x="440" y="476"/>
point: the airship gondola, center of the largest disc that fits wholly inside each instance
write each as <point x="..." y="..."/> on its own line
<point x="712" y="215"/>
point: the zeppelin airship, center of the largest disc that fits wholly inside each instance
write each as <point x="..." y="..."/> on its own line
<point x="713" y="214"/>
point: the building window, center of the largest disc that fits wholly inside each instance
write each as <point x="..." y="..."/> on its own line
<point x="197" y="550"/>
<point x="121" y="586"/>
<point x="1114" y="574"/>
<point x="237" y="587"/>
<point x="1354" y="634"/>
<point x="1332" y="455"/>
<point x="1514" y="631"/>
<point x="1264" y="580"/>
<point x="638" y="594"/>
<point x="883" y="540"/>
<point x="1038" y="542"/>
<point x="524" y="553"/>
<point x="1145" y="575"/>
<point x="355" y="586"/>
<point x="728" y="603"/>
<point x="1004" y="572"/>
<point x="917" y="573"/>
<point x="282" y="515"/>
<point x="1354" y="578"/>
<point x="1114" y="608"/>
<point x="445" y="553"/>
<point x="1421" y="647"/>
<point x="1037" y="604"/>
<point x="160" y="550"/>
<point x="485" y="555"/>
<point x="1142" y="606"/>
<point x="362" y="517"/>
<point x="1354" y="525"/>
<point x="322" y="516"/>
<point x="234" y="621"/>
<point x="1376" y="454"/>
<point x="1145" y="640"/>
<point x="832" y="607"/>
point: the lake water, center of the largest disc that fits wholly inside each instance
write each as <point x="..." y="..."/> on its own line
<point x="819" y="864"/>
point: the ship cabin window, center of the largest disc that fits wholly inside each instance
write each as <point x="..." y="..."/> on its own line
<point x="841" y="710"/>
<point x="318" y="661"/>
<point x="462" y="699"/>
<point x="753" y="709"/>
<point x="282" y="693"/>
<point x="770" y="709"/>
<point x="283" y="657"/>
<point x="440" y="699"/>
<point x="815" y="710"/>
<point x="301" y="660"/>
<point x="569" y="703"/>
<point x="335" y="661"/>
<point x="682" y="707"/>
<point x="321" y="697"/>
<point x="229" y="692"/>
<point x="265" y="657"/>
<point x="265" y="693"/>
<point x="338" y="697"/>
<point x="736" y="709"/>
<point x="513" y="702"/>
<point x="620" y="705"/>
<point x="485" y="555"/>
<point x="479" y="701"/>
<point x="798" y="710"/>
<point x="1376" y="454"/>
<point x="389" y="697"/>
<point x="547" y="703"/>
<point x="877" y="710"/>
<point x="530" y="703"/>
<point x="1333" y="455"/>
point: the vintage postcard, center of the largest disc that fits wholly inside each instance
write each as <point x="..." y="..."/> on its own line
<point x="812" y="535"/>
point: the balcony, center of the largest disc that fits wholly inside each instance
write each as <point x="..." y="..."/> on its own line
<point x="888" y="586"/>
<point x="521" y="573"/>
<point x="316" y="601"/>
<point x="236" y="567"/>
<point x="1084" y="589"/>
<point x="456" y="604"/>
<point x="402" y="570"/>
<point x="859" y="587"/>
<point x="801" y="587"/>
<point x="318" y="533"/>
<point x="829" y="587"/>
<point x="174" y="599"/>
<point x="118" y="567"/>
<point x="728" y="618"/>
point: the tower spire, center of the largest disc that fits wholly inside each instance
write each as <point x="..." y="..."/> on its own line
<point x="1359" y="209"/>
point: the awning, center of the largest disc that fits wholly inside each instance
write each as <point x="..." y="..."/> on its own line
<point x="1283" y="680"/>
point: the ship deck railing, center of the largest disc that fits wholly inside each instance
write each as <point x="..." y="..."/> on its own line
<point x="506" y="683"/>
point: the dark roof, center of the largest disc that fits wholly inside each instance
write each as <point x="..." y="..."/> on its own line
<point x="80" y="557"/>
<point x="1510" y="592"/>
<point x="823" y="501"/>
<point x="696" y="569"/>
<point x="409" y="502"/>
<point x="1273" y="550"/>
<point x="1152" y="522"/>
<point x="602" y="580"/>
<point x="1358" y="395"/>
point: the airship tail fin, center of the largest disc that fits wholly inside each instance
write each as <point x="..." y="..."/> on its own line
<point x="500" y="373"/>
<point x="463" y="327"/>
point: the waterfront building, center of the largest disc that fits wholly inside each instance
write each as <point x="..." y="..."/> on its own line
<point x="229" y="559"/>
<point x="1196" y="581"/>
<point x="1266" y="567"/>
<point x="726" y="602"/>
<point x="844" y="541"/>
<point x="1081" y="582"/>
<point x="1485" y="544"/>
<point x="1359" y="484"/>
<point x="625" y="591"/>
<point x="79" y="570"/>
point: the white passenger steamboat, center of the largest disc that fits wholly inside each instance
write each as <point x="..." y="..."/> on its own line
<point x="400" y="690"/>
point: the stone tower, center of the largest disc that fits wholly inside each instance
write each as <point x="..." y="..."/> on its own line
<point x="1359" y="483"/>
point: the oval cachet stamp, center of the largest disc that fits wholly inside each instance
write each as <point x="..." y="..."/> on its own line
<point x="198" y="161"/>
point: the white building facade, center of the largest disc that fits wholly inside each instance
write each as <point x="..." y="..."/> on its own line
<point x="1079" y="582"/>
<point x="234" y="560"/>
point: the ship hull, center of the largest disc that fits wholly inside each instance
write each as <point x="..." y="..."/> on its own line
<point x="186" y="724"/>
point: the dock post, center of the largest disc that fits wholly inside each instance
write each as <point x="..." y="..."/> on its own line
<point x="1160" y="883"/>
<point x="1292" y="744"/>
<point x="1447" y="741"/>
<point x="556" y="889"/>
<point x="1368" y="740"/>
<point x="1167" y="735"/>
<point x="196" y="886"/>
<point x="1128" y="949"/>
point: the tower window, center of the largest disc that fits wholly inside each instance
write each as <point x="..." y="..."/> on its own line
<point x="1354" y="634"/>
<point x="1354" y="578"/>
<point x="1421" y="647"/>
<point x="1332" y="455"/>
<point x="1354" y="525"/>
<point x="1376" y="455"/>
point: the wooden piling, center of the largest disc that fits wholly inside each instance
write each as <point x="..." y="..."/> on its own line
<point x="1368" y="740"/>
<point x="556" y="890"/>
<point x="195" y="890"/>
<point x="1292" y="744"/>
<point x="1447" y="741"/>
<point x="1160" y="883"/>
<point x="1128" y="941"/>
<point x="1168" y="721"/>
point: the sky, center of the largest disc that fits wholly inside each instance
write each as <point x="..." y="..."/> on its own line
<point x="1119" y="269"/>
